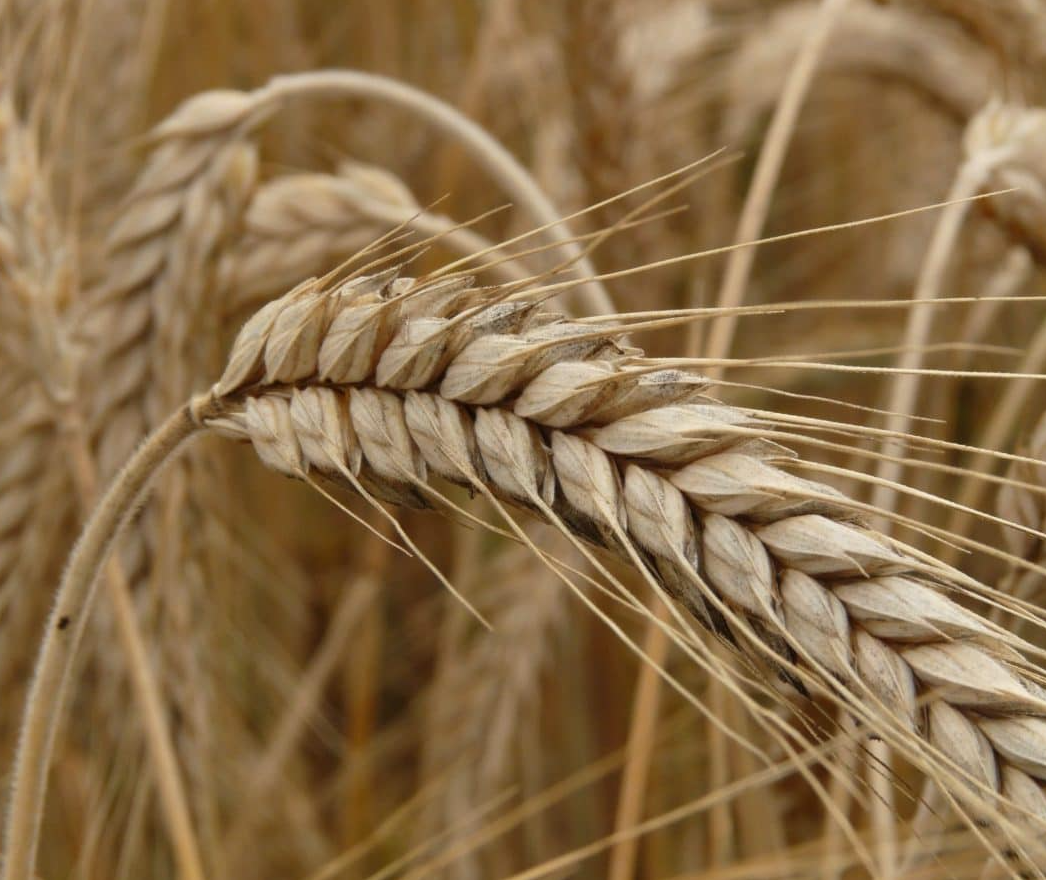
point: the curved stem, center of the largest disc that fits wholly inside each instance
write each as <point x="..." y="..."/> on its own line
<point x="902" y="402"/>
<point x="159" y="740"/>
<point x="1000" y="426"/>
<point x="905" y="390"/>
<point x="767" y="172"/>
<point x="501" y="164"/>
<point x="65" y="629"/>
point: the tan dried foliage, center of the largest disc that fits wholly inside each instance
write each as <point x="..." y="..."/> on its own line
<point x="304" y="700"/>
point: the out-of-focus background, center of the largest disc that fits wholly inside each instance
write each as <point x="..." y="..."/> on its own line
<point x="334" y="712"/>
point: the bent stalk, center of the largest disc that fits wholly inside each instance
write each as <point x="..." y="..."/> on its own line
<point x="65" y="629"/>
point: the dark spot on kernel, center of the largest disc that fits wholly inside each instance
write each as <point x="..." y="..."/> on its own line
<point x="64" y="621"/>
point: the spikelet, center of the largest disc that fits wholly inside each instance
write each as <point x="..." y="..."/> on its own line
<point x="774" y="564"/>
<point x="300" y="225"/>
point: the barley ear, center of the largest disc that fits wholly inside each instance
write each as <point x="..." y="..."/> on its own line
<point x="549" y="416"/>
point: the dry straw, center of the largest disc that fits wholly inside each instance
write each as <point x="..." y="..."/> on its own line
<point x="255" y="693"/>
<point x="382" y="384"/>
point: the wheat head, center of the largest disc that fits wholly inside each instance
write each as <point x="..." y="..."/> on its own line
<point x="381" y="383"/>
